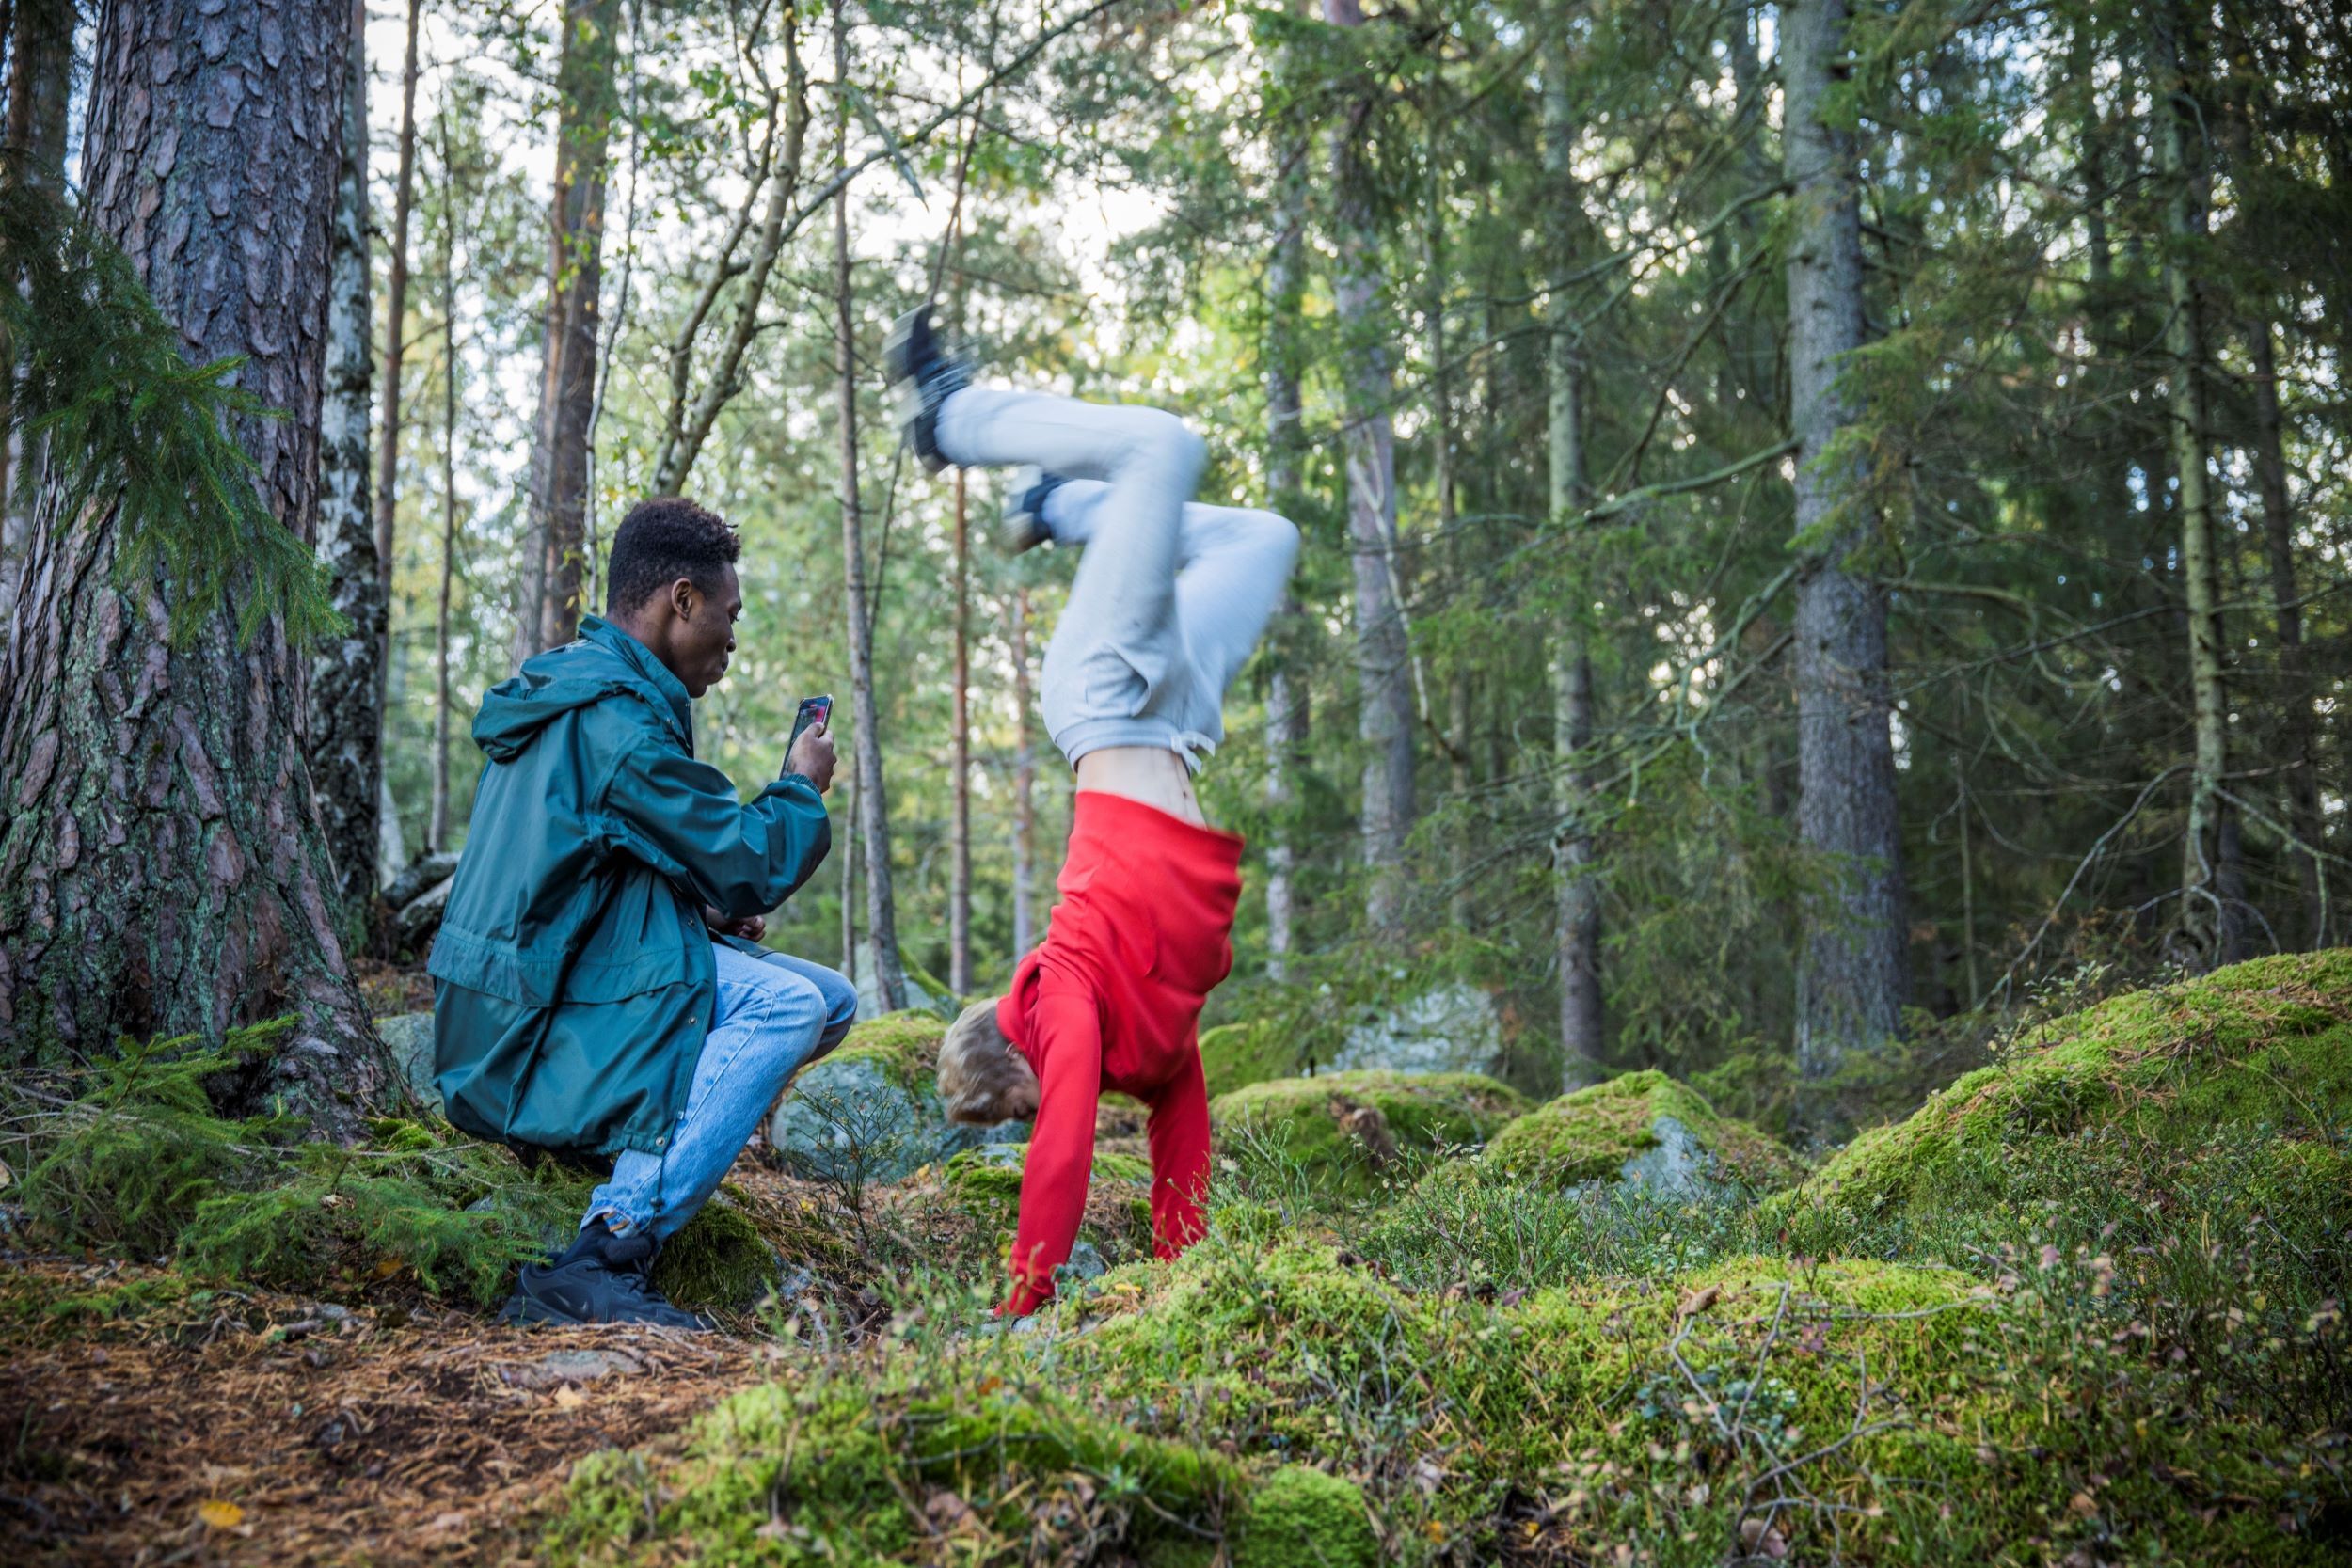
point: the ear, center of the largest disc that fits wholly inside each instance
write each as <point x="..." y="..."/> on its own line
<point x="685" y="599"/>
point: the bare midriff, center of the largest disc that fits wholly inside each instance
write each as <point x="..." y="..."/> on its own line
<point x="1154" y="775"/>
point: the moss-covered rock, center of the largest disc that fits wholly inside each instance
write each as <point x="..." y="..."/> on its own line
<point x="1643" y="1130"/>
<point x="1235" y="1056"/>
<point x="992" y="1176"/>
<point x="870" y="1111"/>
<point x="1300" y="1517"/>
<point x="2262" y="1048"/>
<point x="719" y="1263"/>
<point x="1342" y="1129"/>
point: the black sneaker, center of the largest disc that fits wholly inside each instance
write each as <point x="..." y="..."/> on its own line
<point x="924" y="374"/>
<point x="599" y="1279"/>
<point x="1024" y="526"/>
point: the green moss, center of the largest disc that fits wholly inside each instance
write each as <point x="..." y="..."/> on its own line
<point x="1300" y="1517"/>
<point x="1339" y="1130"/>
<point x="1590" y="1134"/>
<point x="721" y="1262"/>
<point x="1235" y="1056"/>
<point x="991" y="1175"/>
<point x="2261" y="1047"/>
<point x="859" y="1471"/>
<point x="904" y="1045"/>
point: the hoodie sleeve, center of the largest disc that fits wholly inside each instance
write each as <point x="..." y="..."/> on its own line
<point x="682" y="818"/>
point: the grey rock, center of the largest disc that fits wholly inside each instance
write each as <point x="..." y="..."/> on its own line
<point x="414" y="921"/>
<point x="419" y="877"/>
<point x="410" y="1036"/>
<point x="869" y="1001"/>
<point x="1453" y="1028"/>
<point x="1676" y="1167"/>
<point x="572" y="1365"/>
<point x="1084" y="1264"/>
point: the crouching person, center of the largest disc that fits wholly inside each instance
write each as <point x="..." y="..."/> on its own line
<point x="598" y="989"/>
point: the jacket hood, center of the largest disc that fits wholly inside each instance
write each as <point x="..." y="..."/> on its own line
<point x="605" y="662"/>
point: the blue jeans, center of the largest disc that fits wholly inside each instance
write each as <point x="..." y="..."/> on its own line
<point x="773" y="1015"/>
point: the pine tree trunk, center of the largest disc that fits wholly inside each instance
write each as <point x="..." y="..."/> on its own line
<point x="163" y="865"/>
<point x="1578" y="931"/>
<point x="882" y="924"/>
<point x="436" y="831"/>
<point x="396" y="314"/>
<point x="1285" y="710"/>
<point x="1024" y="785"/>
<point x="346" y="718"/>
<point x="2295" y="676"/>
<point x="960" y="765"/>
<point x="40" y="72"/>
<point x="2201" y="931"/>
<point x="848" y="876"/>
<point x="1383" y="662"/>
<point x="1851" y="966"/>
<point x="587" y="98"/>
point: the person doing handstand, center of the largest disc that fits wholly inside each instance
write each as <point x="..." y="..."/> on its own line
<point x="1170" y="598"/>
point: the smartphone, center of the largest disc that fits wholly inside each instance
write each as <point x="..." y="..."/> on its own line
<point x="814" y="710"/>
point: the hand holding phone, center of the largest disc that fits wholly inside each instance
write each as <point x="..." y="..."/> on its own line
<point x="809" y="752"/>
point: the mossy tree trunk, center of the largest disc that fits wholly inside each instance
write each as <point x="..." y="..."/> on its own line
<point x="163" y="869"/>
<point x="346" y="718"/>
<point x="1851" y="968"/>
<point x="40" y="72"/>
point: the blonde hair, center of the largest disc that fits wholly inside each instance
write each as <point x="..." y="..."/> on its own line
<point x="981" y="1077"/>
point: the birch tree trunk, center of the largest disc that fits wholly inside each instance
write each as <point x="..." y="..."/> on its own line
<point x="396" y="307"/>
<point x="1383" y="663"/>
<point x="881" y="926"/>
<point x="2295" y="674"/>
<point x="2200" y="930"/>
<point x="960" y="763"/>
<point x="1851" y="965"/>
<point x="164" y="866"/>
<point x="1577" y="934"/>
<point x="346" y="718"/>
<point x="41" y="74"/>
<point x="1024" y="785"/>
<point x="586" y="100"/>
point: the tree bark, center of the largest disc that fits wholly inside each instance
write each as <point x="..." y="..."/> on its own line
<point x="41" y="77"/>
<point x="1850" y="964"/>
<point x="882" y="924"/>
<point x="1383" y="662"/>
<point x="2295" y="676"/>
<point x="163" y="865"/>
<point x="1577" y="933"/>
<point x="587" y="99"/>
<point x="437" y="829"/>
<point x="1024" y="785"/>
<point x="346" y="718"/>
<point x="2201" y="931"/>
<point x="396" y="315"/>
<point x="960" y="763"/>
<point x="1285" y="284"/>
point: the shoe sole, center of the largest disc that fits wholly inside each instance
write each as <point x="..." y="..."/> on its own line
<point x="914" y="424"/>
<point x="521" y="1311"/>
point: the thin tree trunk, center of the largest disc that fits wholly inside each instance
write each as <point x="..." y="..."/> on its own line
<point x="1851" y="965"/>
<point x="437" y="835"/>
<point x="2295" y="676"/>
<point x="587" y="99"/>
<point x="1577" y="931"/>
<point x="345" y="744"/>
<point x="960" y="767"/>
<point x="1023" y="784"/>
<point x="1383" y="662"/>
<point x="1442" y="462"/>
<point x="1285" y="710"/>
<point x="166" y="868"/>
<point x="41" y="74"/>
<point x="881" y="927"/>
<point x="396" y="312"/>
<point x="848" y="878"/>
<point x="2201" y="931"/>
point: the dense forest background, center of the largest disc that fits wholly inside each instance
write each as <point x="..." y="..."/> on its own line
<point x="1819" y="524"/>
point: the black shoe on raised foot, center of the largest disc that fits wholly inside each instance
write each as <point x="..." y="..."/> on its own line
<point x="1024" y="526"/>
<point x="924" y="374"/>
<point x="601" y="1279"/>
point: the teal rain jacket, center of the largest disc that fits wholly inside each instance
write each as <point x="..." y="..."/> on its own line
<point x="573" y="969"/>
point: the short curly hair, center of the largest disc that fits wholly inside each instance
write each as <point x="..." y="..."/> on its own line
<point x="662" y="540"/>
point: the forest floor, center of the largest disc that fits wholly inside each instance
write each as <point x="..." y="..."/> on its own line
<point x="134" y="1409"/>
